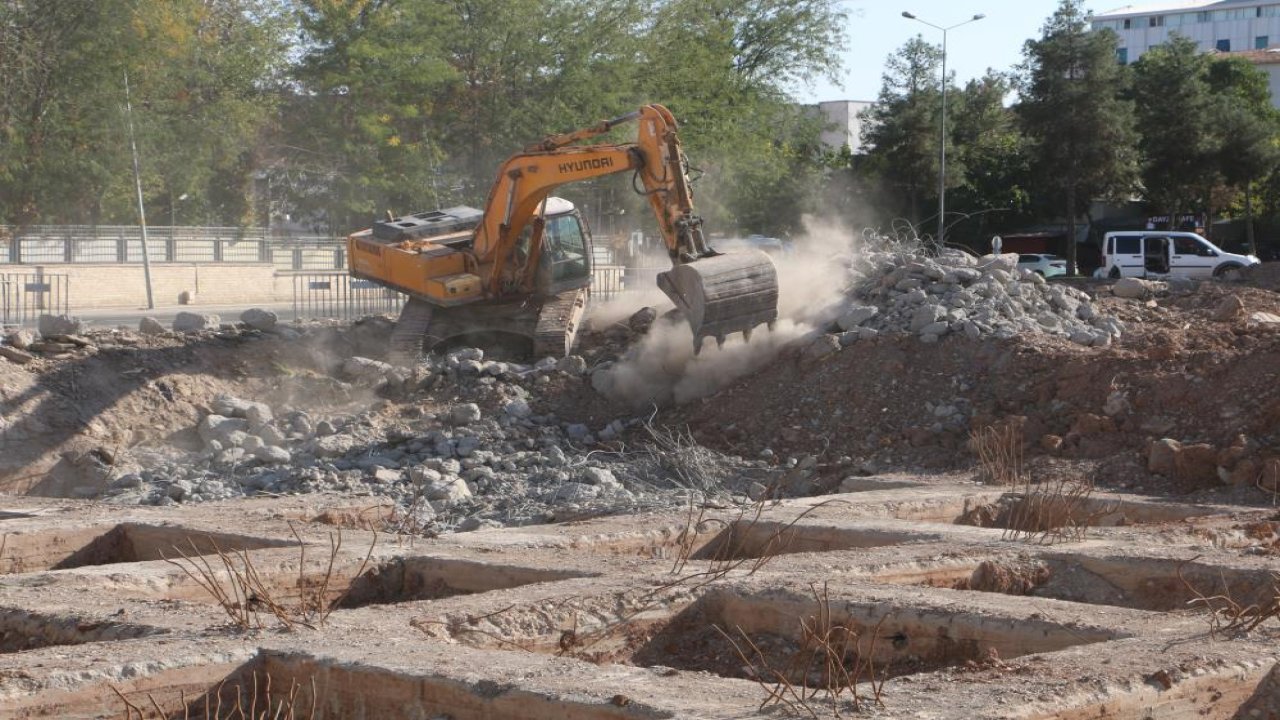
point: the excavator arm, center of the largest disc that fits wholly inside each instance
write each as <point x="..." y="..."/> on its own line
<point x="717" y="293"/>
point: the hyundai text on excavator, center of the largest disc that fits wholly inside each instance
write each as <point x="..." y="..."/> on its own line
<point x="523" y="265"/>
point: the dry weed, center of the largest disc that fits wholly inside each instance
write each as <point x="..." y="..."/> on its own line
<point x="686" y="463"/>
<point x="826" y="669"/>
<point x="1228" y="616"/>
<point x="246" y="596"/>
<point x="1060" y="510"/>
<point x="999" y="450"/>
<point x="253" y="703"/>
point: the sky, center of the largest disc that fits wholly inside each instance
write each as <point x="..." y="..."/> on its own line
<point x="876" y="28"/>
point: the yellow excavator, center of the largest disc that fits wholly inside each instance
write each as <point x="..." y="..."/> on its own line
<point x="523" y="265"/>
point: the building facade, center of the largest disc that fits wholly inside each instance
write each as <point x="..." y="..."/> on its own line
<point x="1227" y="26"/>
<point x="844" y="126"/>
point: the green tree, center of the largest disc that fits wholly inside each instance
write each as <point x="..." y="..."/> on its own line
<point x="901" y="129"/>
<point x="1080" y="131"/>
<point x="1247" y="126"/>
<point x="724" y="68"/>
<point x="61" y="67"/>
<point x="992" y="151"/>
<point x="205" y="90"/>
<point x="1178" y="144"/>
<point x="201" y="73"/>
<point x="357" y="135"/>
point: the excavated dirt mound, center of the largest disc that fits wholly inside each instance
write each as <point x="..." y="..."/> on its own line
<point x="885" y="404"/>
<point x="63" y="416"/>
<point x="894" y="401"/>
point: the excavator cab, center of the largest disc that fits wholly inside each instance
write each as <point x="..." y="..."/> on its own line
<point x="565" y="262"/>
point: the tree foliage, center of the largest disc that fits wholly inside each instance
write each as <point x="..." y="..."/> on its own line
<point x="901" y="129"/>
<point x="333" y="111"/>
<point x="1080" y="131"/>
<point x="1178" y="141"/>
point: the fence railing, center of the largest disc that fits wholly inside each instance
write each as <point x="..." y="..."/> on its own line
<point x="612" y="281"/>
<point x="24" y="297"/>
<point x="70" y="244"/>
<point x="338" y="295"/>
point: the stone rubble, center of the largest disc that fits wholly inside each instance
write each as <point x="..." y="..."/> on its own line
<point x="957" y="294"/>
<point x="194" y="322"/>
<point x="486" y="459"/>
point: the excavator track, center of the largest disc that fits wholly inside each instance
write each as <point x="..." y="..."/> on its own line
<point x="553" y="326"/>
<point x="559" y="320"/>
<point x="410" y="332"/>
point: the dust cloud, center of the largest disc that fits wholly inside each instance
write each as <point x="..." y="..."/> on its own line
<point x="662" y="368"/>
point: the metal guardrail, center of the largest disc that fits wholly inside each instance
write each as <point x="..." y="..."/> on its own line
<point x="612" y="281"/>
<point x="338" y="295"/>
<point x="24" y="297"/>
<point x="71" y="244"/>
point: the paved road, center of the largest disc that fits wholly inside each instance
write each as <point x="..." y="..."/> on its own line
<point x="111" y="317"/>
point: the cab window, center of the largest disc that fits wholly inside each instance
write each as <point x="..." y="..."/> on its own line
<point x="567" y="248"/>
<point x="1128" y="245"/>
<point x="1186" y="246"/>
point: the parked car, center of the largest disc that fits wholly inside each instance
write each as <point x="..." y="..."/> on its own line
<point x="1159" y="253"/>
<point x="1045" y="264"/>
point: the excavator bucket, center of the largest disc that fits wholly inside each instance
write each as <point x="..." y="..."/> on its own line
<point x="724" y="294"/>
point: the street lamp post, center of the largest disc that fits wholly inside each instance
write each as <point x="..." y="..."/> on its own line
<point x="942" y="128"/>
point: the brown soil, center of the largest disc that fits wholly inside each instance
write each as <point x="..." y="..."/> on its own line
<point x="1181" y="374"/>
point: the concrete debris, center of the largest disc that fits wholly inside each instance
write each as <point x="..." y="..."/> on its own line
<point x="256" y="413"/>
<point x="957" y="294"/>
<point x="20" y="339"/>
<point x="259" y="319"/>
<point x="193" y="322"/>
<point x="1269" y="321"/>
<point x="464" y="414"/>
<point x="150" y="326"/>
<point x="14" y="355"/>
<point x="1230" y="309"/>
<point x="59" y="325"/>
<point x="642" y="320"/>
<point x="486" y="455"/>
<point x="366" y="371"/>
<point x="1136" y="288"/>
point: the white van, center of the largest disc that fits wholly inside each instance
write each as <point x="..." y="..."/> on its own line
<point x="1160" y="253"/>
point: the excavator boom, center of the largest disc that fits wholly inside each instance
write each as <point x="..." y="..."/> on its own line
<point x="717" y="293"/>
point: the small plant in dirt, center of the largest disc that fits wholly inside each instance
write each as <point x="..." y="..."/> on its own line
<point x="824" y="673"/>
<point x="999" y="451"/>
<point x="1060" y="510"/>
<point x="237" y="586"/>
<point x="249" y="698"/>
<point x="1228" y="616"/>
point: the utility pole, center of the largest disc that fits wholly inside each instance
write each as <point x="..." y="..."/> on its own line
<point x="942" y="126"/>
<point x="137" y="183"/>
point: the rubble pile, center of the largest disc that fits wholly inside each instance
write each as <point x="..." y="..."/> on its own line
<point x="461" y="467"/>
<point x="956" y="293"/>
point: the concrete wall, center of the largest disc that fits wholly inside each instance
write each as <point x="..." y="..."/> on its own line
<point x="123" y="286"/>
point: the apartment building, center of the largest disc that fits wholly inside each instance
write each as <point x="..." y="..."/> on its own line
<point x="1221" y="25"/>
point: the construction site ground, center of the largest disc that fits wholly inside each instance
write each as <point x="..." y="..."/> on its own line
<point x="968" y="528"/>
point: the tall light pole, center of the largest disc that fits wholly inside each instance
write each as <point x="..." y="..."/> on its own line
<point x="942" y="126"/>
